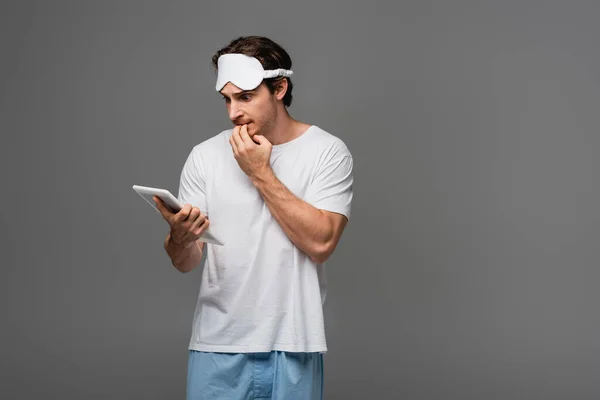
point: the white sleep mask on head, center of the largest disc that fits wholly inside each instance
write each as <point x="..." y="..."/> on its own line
<point x="244" y="72"/>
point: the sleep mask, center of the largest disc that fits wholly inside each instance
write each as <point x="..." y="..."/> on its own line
<point x="244" y="72"/>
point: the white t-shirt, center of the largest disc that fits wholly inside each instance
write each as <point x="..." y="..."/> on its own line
<point x="259" y="292"/>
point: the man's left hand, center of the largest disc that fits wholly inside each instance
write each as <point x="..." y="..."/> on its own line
<point x="252" y="154"/>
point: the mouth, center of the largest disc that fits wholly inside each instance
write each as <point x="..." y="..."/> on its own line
<point x="249" y="127"/>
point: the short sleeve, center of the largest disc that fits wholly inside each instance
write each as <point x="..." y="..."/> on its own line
<point x="192" y="188"/>
<point x="331" y="189"/>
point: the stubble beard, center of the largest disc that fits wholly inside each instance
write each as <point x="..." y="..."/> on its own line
<point x="268" y="123"/>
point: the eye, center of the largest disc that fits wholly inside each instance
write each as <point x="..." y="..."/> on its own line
<point x="226" y="99"/>
<point x="246" y="97"/>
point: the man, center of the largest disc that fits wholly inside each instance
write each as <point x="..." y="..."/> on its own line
<point x="278" y="193"/>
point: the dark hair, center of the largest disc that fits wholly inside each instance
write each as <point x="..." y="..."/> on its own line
<point x="270" y="54"/>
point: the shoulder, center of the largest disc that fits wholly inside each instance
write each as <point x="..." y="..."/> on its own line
<point x="206" y="153"/>
<point x="331" y="145"/>
<point x="212" y="146"/>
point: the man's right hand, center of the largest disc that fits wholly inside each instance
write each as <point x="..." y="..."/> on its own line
<point x="186" y="225"/>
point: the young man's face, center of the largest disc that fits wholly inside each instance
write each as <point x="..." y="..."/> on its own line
<point x="254" y="108"/>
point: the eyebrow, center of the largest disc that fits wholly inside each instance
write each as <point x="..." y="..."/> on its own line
<point x="238" y="94"/>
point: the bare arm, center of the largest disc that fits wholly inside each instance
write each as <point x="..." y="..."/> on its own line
<point x="316" y="232"/>
<point x="184" y="258"/>
<point x="182" y="244"/>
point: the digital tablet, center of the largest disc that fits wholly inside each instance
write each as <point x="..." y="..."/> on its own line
<point x="173" y="204"/>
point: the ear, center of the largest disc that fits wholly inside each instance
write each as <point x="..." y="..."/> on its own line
<point x="281" y="88"/>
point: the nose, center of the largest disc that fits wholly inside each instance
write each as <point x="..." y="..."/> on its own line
<point x="234" y="111"/>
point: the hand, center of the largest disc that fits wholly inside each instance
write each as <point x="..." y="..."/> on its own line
<point x="252" y="154"/>
<point x="186" y="225"/>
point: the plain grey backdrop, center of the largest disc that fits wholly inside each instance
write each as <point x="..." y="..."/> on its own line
<point x="469" y="269"/>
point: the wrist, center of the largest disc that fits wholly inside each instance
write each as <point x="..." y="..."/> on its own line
<point x="263" y="175"/>
<point x="174" y="243"/>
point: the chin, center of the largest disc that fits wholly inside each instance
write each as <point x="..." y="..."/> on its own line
<point x="252" y="131"/>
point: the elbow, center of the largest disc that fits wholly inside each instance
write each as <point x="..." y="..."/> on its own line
<point x="319" y="259"/>
<point x="323" y="248"/>
<point x="321" y="253"/>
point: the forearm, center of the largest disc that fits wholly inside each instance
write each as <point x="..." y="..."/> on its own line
<point x="307" y="227"/>
<point x="184" y="259"/>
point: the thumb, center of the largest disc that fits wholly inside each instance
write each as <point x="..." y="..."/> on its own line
<point x="161" y="207"/>
<point x="261" y="140"/>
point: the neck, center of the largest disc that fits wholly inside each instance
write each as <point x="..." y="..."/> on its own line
<point x="285" y="128"/>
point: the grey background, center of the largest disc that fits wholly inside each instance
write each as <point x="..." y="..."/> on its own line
<point x="469" y="269"/>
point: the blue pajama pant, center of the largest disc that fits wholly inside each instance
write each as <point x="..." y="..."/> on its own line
<point x="275" y="375"/>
